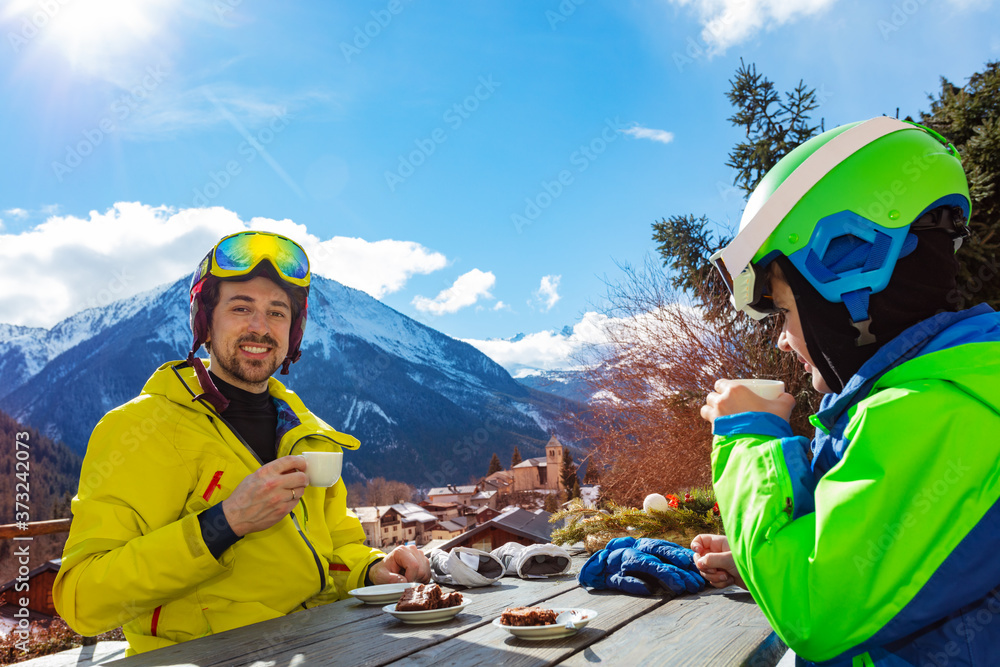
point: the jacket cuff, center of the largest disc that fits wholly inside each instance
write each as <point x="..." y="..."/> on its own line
<point x="752" y="423"/>
<point x="216" y="531"/>
<point x="356" y="577"/>
<point x="368" y="568"/>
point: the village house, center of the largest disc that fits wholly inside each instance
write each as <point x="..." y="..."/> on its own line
<point x="452" y="494"/>
<point x="38" y="592"/>
<point x="502" y="482"/>
<point x="371" y="524"/>
<point x="485" y="513"/>
<point x="442" y="510"/>
<point x="390" y="525"/>
<point x="516" y="525"/>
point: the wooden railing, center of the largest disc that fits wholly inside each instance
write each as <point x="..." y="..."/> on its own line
<point x="12" y="530"/>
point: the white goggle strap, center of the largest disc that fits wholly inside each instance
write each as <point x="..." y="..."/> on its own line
<point x="736" y="256"/>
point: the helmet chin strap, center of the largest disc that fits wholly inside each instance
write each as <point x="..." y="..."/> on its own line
<point x="209" y="392"/>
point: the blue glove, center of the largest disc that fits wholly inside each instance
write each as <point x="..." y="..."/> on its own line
<point x="622" y="566"/>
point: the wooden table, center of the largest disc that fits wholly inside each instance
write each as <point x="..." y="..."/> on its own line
<point x="705" y="629"/>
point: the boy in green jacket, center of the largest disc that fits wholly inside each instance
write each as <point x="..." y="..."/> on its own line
<point x="879" y="545"/>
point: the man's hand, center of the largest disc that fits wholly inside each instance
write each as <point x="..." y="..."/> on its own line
<point x="408" y="560"/>
<point x="715" y="561"/>
<point x="267" y="496"/>
<point x="732" y="399"/>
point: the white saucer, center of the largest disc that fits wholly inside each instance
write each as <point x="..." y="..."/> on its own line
<point x="542" y="632"/>
<point x="380" y="594"/>
<point x="428" y="616"/>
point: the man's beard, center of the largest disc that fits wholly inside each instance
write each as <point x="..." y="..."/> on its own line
<point x="250" y="371"/>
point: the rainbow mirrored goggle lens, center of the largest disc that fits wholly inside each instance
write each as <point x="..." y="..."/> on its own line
<point x="241" y="253"/>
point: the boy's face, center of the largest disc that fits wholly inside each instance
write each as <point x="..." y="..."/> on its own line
<point x="791" y="338"/>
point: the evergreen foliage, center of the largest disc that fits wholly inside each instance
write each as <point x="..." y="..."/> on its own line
<point x="969" y="117"/>
<point x="567" y="471"/>
<point x="696" y="514"/>
<point x="495" y="465"/>
<point x="551" y="503"/>
<point x="515" y="457"/>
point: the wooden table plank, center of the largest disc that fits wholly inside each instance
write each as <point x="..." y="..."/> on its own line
<point x="707" y="629"/>
<point x="359" y="634"/>
<point x="490" y="645"/>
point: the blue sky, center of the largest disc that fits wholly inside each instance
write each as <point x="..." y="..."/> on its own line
<point x="479" y="166"/>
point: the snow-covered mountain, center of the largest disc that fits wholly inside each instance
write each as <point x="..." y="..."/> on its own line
<point x="428" y="409"/>
<point x="568" y="384"/>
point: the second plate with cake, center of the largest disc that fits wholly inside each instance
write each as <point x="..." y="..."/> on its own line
<point x="577" y="620"/>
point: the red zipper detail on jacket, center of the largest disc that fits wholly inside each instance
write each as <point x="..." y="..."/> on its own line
<point x="339" y="567"/>
<point x="156" y="619"/>
<point x="213" y="485"/>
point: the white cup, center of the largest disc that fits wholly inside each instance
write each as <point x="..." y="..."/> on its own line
<point x="769" y="389"/>
<point x="323" y="468"/>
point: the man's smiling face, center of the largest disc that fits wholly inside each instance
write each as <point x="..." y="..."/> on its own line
<point x="249" y="332"/>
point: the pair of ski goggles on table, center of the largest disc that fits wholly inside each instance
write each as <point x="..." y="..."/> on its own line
<point x="239" y="254"/>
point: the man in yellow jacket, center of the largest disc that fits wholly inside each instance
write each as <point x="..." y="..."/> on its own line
<point x="193" y="514"/>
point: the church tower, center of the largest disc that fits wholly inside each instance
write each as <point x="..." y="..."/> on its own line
<point x="553" y="463"/>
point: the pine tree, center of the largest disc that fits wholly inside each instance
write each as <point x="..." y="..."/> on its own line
<point x="567" y="471"/>
<point x="575" y="493"/>
<point x="495" y="465"/>
<point x="969" y="117"/>
<point x="774" y="126"/>
<point x="515" y="457"/>
<point x="551" y="503"/>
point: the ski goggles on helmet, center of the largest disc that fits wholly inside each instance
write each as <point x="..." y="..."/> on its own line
<point x="239" y="254"/>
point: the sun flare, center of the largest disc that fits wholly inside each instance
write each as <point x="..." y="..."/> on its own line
<point x="92" y="34"/>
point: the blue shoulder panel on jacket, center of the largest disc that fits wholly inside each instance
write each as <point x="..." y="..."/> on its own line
<point x="960" y="583"/>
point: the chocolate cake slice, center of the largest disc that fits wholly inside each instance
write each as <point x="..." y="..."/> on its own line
<point x="427" y="596"/>
<point x="527" y="616"/>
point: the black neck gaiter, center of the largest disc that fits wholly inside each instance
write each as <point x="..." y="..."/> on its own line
<point x="253" y="416"/>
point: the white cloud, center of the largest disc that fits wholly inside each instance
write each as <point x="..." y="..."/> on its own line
<point x="640" y="132"/>
<point x="67" y="264"/>
<point x="466" y="290"/>
<point x="548" y="291"/>
<point x="19" y="213"/>
<point x="729" y="22"/>
<point x="547" y="350"/>
<point x="583" y="345"/>
<point x="500" y="305"/>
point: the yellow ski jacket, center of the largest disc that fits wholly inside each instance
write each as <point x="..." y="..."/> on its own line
<point x="135" y="556"/>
